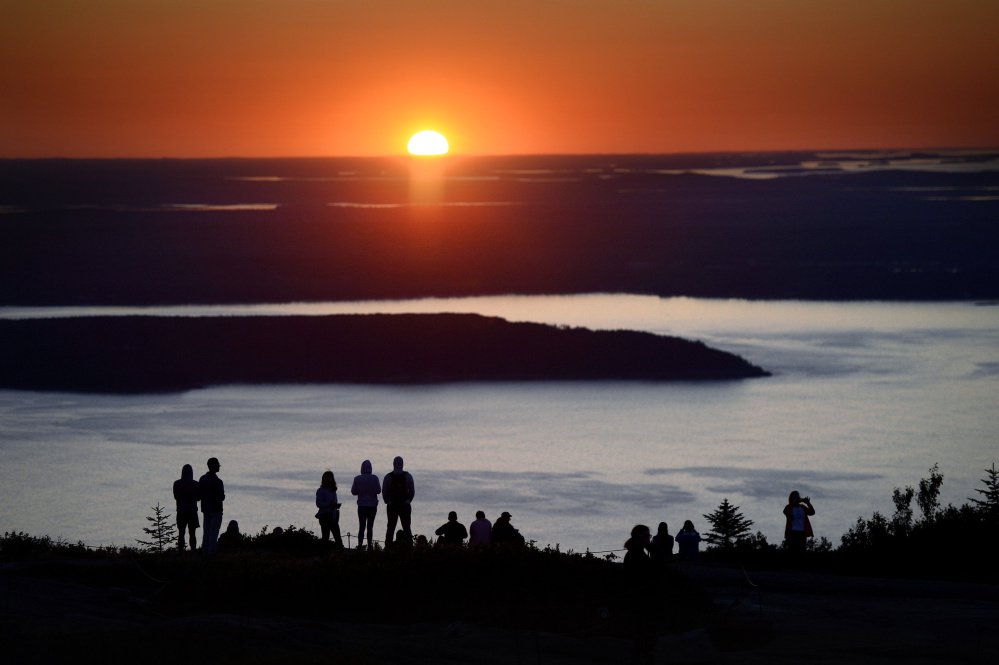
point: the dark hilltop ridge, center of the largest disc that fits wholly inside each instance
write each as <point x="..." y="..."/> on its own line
<point x="161" y="354"/>
<point x="802" y="226"/>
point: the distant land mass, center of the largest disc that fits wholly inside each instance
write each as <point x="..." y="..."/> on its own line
<point x="762" y="226"/>
<point x="163" y="354"/>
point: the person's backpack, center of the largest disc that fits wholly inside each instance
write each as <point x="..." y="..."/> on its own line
<point x="397" y="492"/>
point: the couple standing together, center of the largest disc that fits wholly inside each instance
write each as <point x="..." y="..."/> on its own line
<point x="397" y="491"/>
<point x="210" y="491"/>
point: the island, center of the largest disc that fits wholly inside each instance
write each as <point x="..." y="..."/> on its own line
<point x="146" y="354"/>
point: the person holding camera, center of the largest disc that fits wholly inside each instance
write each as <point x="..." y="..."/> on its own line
<point x="797" y="528"/>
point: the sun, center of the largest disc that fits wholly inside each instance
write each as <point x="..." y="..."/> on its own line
<point x="428" y="143"/>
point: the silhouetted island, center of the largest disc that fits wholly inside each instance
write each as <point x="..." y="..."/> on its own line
<point x="161" y="354"/>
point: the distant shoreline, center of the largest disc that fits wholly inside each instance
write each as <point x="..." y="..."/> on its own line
<point x="145" y="354"/>
<point x="803" y="226"/>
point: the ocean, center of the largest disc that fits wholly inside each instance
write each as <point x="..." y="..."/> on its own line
<point x="864" y="397"/>
<point x="865" y="282"/>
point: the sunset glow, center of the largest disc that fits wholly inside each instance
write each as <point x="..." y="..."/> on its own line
<point x="196" y="78"/>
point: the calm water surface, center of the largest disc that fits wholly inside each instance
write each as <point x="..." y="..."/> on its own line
<point x="864" y="397"/>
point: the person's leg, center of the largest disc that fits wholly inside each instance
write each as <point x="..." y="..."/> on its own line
<point x="324" y="527"/>
<point x="392" y="512"/>
<point x="360" y="526"/>
<point x="213" y="523"/>
<point x="371" y="527"/>
<point x="335" y="529"/>
<point x="405" y="518"/>
<point x="192" y="529"/>
<point x="181" y="527"/>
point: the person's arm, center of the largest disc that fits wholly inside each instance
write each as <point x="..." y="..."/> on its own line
<point x="808" y="506"/>
<point x="410" y="487"/>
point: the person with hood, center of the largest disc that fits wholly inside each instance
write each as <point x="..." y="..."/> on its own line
<point x="329" y="510"/>
<point x="366" y="488"/>
<point x="187" y="492"/>
<point x="797" y="528"/>
<point x="452" y="532"/>
<point x="398" y="492"/>
<point x="212" y="495"/>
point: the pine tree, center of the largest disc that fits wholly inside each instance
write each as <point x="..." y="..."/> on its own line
<point x="728" y="525"/>
<point x="988" y="506"/>
<point x="161" y="529"/>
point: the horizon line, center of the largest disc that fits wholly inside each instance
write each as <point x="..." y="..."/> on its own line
<point x="404" y="155"/>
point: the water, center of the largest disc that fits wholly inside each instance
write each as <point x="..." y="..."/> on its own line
<point x="864" y="397"/>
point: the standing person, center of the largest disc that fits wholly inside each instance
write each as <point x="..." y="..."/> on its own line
<point x="662" y="545"/>
<point x="212" y="496"/>
<point x="481" y="530"/>
<point x="797" y="528"/>
<point x="452" y="532"/>
<point x="640" y="579"/>
<point x="187" y="492"/>
<point x="398" y="491"/>
<point x="366" y="488"/>
<point x="688" y="542"/>
<point x="329" y="510"/>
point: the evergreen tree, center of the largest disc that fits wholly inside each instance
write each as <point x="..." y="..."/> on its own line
<point x="988" y="506"/>
<point x="162" y="531"/>
<point x="728" y="525"/>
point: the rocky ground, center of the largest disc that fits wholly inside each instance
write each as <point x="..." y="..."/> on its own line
<point x="759" y="617"/>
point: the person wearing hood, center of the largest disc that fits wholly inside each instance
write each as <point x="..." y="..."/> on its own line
<point x="398" y="491"/>
<point x="366" y="488"/>
<point x="187" y="492"/>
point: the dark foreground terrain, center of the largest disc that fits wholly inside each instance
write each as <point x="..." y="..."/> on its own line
<point x="535" y="607"/>
<point x="149" y="354"/>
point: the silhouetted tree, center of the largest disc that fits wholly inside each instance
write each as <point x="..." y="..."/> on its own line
<point x="728" y="525"/>
<point x="161" y="529"/>
<point x="988" y="506"/>
<point x="901" y="521"/>
<point x="928" y="498"/>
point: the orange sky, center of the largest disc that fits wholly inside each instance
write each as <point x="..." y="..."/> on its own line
<point x="196" y="78"/>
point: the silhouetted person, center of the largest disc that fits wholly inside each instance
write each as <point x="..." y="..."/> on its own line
<point x="480" y="532"/>
<point x="503" y="531"/>
<point x="639" y="592"/>
<point x="187" y="491"/>
<point x="797" y="528"/>
<point x="688" y="542"/>
<point x="212" y="496"/>
<point x="366" y="488"/>
<point x="402" y="543"/>
<point x="398" y="491"/>
<point x="662" y="545"/>
<point x="329" y="510"/>
<point x="232" y="538"/>
<point x="452" y="532"/>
